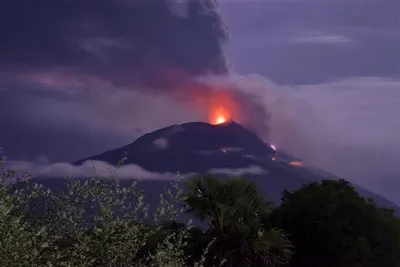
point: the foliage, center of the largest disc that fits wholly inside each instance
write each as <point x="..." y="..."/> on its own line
<point x="234" y="210"/>
<point x="99" y="222"/>
<point x="96" y="222"/>
<point x="331" y="225"/>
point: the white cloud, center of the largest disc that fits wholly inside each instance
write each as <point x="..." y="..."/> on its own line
<point x="239" y="171"/>
<point x="87" y="169"/>
<point x="103" y="169"/>
<point x="322" y="38"/>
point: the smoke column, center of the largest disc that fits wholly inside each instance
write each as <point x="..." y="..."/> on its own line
<point x="194" y="68"/>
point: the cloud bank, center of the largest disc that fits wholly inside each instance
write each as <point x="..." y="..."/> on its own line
<point x="105" y="170"/>
<point x="322" y="38"/>
<point x="87" y="169"/>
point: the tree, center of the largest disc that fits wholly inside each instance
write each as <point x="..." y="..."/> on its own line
<point x="97" y="222"/>
<point x="330" y="224"/>
<point x="234" y="210"/>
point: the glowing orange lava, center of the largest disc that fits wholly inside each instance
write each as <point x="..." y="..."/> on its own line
<point x="219" y="116"/>
<point x="220" y="104"/>
<point x="220" y="120"/>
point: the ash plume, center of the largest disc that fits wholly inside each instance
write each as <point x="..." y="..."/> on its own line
<point x="126" y="42"/>
<point x="155" y="47"/>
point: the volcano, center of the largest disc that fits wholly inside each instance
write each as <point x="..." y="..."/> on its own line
<point x="191" y="147"/>
<point x="225" y="150"/>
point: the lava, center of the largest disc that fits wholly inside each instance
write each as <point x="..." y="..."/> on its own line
<point x="221" y="104"/>
<point x="219" y="116"/>
<point x="220" y="120"/>
<point x="296" y="163"/>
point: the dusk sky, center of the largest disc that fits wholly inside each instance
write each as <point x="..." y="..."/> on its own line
<point x="81" y="77"/>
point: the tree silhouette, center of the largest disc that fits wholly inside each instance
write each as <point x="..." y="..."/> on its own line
<point x="234" y="211"/>
<point x="330" y="225"/>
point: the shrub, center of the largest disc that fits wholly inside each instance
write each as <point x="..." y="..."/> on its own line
<point x="96" y="222"/>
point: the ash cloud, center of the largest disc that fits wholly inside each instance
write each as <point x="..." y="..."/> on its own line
<point x="125" y="42"/>
<point x="156" y="47"/>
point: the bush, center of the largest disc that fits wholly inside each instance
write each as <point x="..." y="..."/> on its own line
<point x="99" y="222"/>
<point x="330" y="224"/>
<point x="96" y="222"/>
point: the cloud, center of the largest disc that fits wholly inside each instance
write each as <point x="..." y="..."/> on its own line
<point x="87" y="169"/>
<point x="103" y="169"/>
<point x="261" y="32"/>
<point x="347" y="127"/>
<point x="113" y="57"/>
<point x="119" y="41"/>
<point x="161" y="143"/>
<point x="239" y="171"/>
<point x="322" y="38"/>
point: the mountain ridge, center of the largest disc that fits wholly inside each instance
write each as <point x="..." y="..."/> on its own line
<point x="198" y="147"/>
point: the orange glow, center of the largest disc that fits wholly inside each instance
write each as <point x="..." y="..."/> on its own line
<point x="221" y="107"/>
<point x="220" y="120"/>
<point x="220" y="104"/>
<point x="219" y="116"/>
<point x="296" y="163"/>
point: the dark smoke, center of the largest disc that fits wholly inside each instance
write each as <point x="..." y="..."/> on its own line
<point x="124" y="41"/>
<point x="157" y="46"/>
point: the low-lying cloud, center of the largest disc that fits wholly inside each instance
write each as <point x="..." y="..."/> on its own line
<point x="239" y="171"/>
<point x="322" y="38"/>
<point x="87" y="169"/>
<point x="161" y="143"/>
<point x="105" y="170"/>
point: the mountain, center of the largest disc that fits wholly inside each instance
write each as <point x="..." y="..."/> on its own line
<point x="190" y="147"/>
<point x="199" y="147"/>
<point x="225" y="150"/>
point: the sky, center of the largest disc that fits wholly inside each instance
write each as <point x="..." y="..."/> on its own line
<point x="81" y="77"/>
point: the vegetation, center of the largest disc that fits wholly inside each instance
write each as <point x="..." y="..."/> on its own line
<point x="234" y="211"/>
<point x="98" y="222"/>
<point x="331" y="225"/>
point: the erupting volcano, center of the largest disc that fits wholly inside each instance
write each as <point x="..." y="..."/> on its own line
<point x="220" y="120"/>
<point x="227" y="149"/>
<point x="219" y="116"/>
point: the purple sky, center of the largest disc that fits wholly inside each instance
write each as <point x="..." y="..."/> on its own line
<point x="80" y="77"/>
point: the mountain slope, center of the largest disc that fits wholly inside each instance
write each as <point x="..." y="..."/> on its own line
<point x="199" y="147"/>
<point x="190" y="147"/>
